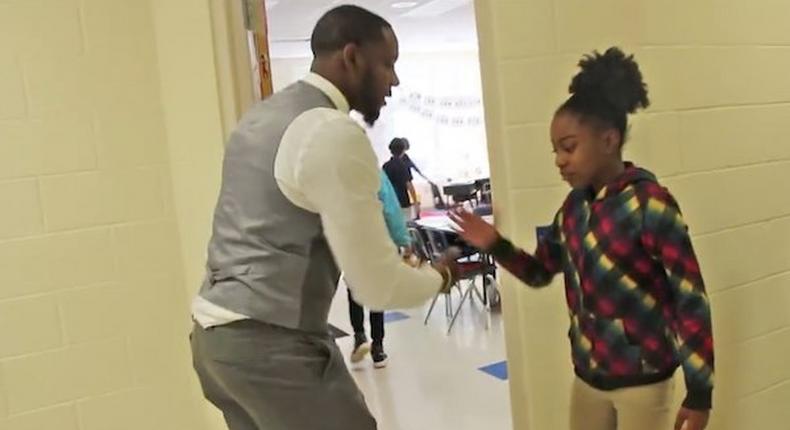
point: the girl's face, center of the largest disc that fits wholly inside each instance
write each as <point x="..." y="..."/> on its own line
<point x="584" y="153"/>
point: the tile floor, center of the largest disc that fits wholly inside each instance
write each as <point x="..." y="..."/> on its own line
<point x="434" y="381"/>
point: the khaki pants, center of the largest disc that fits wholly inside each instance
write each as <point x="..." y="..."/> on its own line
<point x="264" y="377"/>
<point x="646" y="407"/>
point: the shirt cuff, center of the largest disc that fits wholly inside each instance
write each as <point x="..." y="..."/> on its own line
<point x="502" y="249"/>
<point x="699" y="400"/>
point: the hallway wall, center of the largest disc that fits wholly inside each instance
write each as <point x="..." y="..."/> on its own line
<point x="716" y="134"/>
<point x="98" y="181"/>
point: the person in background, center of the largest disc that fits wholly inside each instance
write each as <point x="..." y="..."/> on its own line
<point x="399" y="174"/>
<point x="439" y="202"/>
<point x="409" y="163"/>
<point x="635" y="293"/>
<point x="396" y="226"/>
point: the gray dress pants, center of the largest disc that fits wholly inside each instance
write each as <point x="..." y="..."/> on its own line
<point x="264" y="377"/>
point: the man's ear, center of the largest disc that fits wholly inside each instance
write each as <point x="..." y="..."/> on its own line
<point x="352" y="57"/>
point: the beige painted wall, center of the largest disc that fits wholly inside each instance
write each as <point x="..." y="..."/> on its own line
<point x="196" y="112"/>
<point x="206" y="84"/>
<point x="717" y="136"/>
<point x="111" y="128"/>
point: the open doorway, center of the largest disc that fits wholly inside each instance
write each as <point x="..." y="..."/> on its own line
<point x="438" y="378"/>
<point x="438" y="106"/>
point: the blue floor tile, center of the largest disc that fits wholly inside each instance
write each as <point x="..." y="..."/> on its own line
<point x="394" y="316"/>
<point x="497" y="370"/>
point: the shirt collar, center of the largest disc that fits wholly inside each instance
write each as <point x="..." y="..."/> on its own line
<point x="329" y="89"/>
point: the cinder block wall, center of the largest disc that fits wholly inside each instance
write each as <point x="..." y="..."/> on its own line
<point x="717" y="134"/>
<point x="93" y="307"/>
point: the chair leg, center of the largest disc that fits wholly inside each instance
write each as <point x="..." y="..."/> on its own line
<point x="490" y="289"/>
<point x="473" y="286"/>
<point x="457" y="286"/>
<point x="477" y="293"/>
<point x="430" y="309"/>
<point x="485" y="290"/>
<point x="467" y="294"/>
<point x="487" y="303"/>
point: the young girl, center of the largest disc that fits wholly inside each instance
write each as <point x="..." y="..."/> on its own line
<point x="635" y="296"/>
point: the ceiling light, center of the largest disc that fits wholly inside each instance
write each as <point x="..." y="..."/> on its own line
<point x="403" y="4"/>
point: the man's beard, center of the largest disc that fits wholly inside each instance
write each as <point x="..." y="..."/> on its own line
<point x="368" y="100"/>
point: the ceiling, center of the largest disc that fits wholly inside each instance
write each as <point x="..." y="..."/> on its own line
<point x="421" y="25"/>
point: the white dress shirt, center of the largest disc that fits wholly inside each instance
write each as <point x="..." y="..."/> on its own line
<point x="326" y="165"/>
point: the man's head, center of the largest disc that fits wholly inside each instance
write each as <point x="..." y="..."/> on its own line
<point x="398" y="147"/>
<point x="356" y="50"/>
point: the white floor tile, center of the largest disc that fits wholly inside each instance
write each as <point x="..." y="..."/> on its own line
<point x="432" y="380"/>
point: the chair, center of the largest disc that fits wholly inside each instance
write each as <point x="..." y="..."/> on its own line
<point x="419" y="241"/>
<point x="485" y="192"/>
<point x="438" y="201"/>
<point x="462" y="192"/>
<point x="469" y="267"/>
<point x="491" y="289"/>
<point x="424" y="250"/>
<point x="483" y="209"/>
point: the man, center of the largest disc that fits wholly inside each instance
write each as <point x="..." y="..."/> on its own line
<point x="399" y="174"/>
<point x="298" y="203"/>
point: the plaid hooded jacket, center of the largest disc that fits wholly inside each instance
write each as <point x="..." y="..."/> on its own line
<point x="635" y="294"/>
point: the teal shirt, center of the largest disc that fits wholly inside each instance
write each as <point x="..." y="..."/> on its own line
<point x="392" y="212"/>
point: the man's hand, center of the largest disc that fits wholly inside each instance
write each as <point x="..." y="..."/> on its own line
<point x="448" y="268"/>
<point x="410" y="258"/>
<point x="689" y="419"/>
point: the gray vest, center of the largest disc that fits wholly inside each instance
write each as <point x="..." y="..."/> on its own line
<point x="268" y="258"/>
